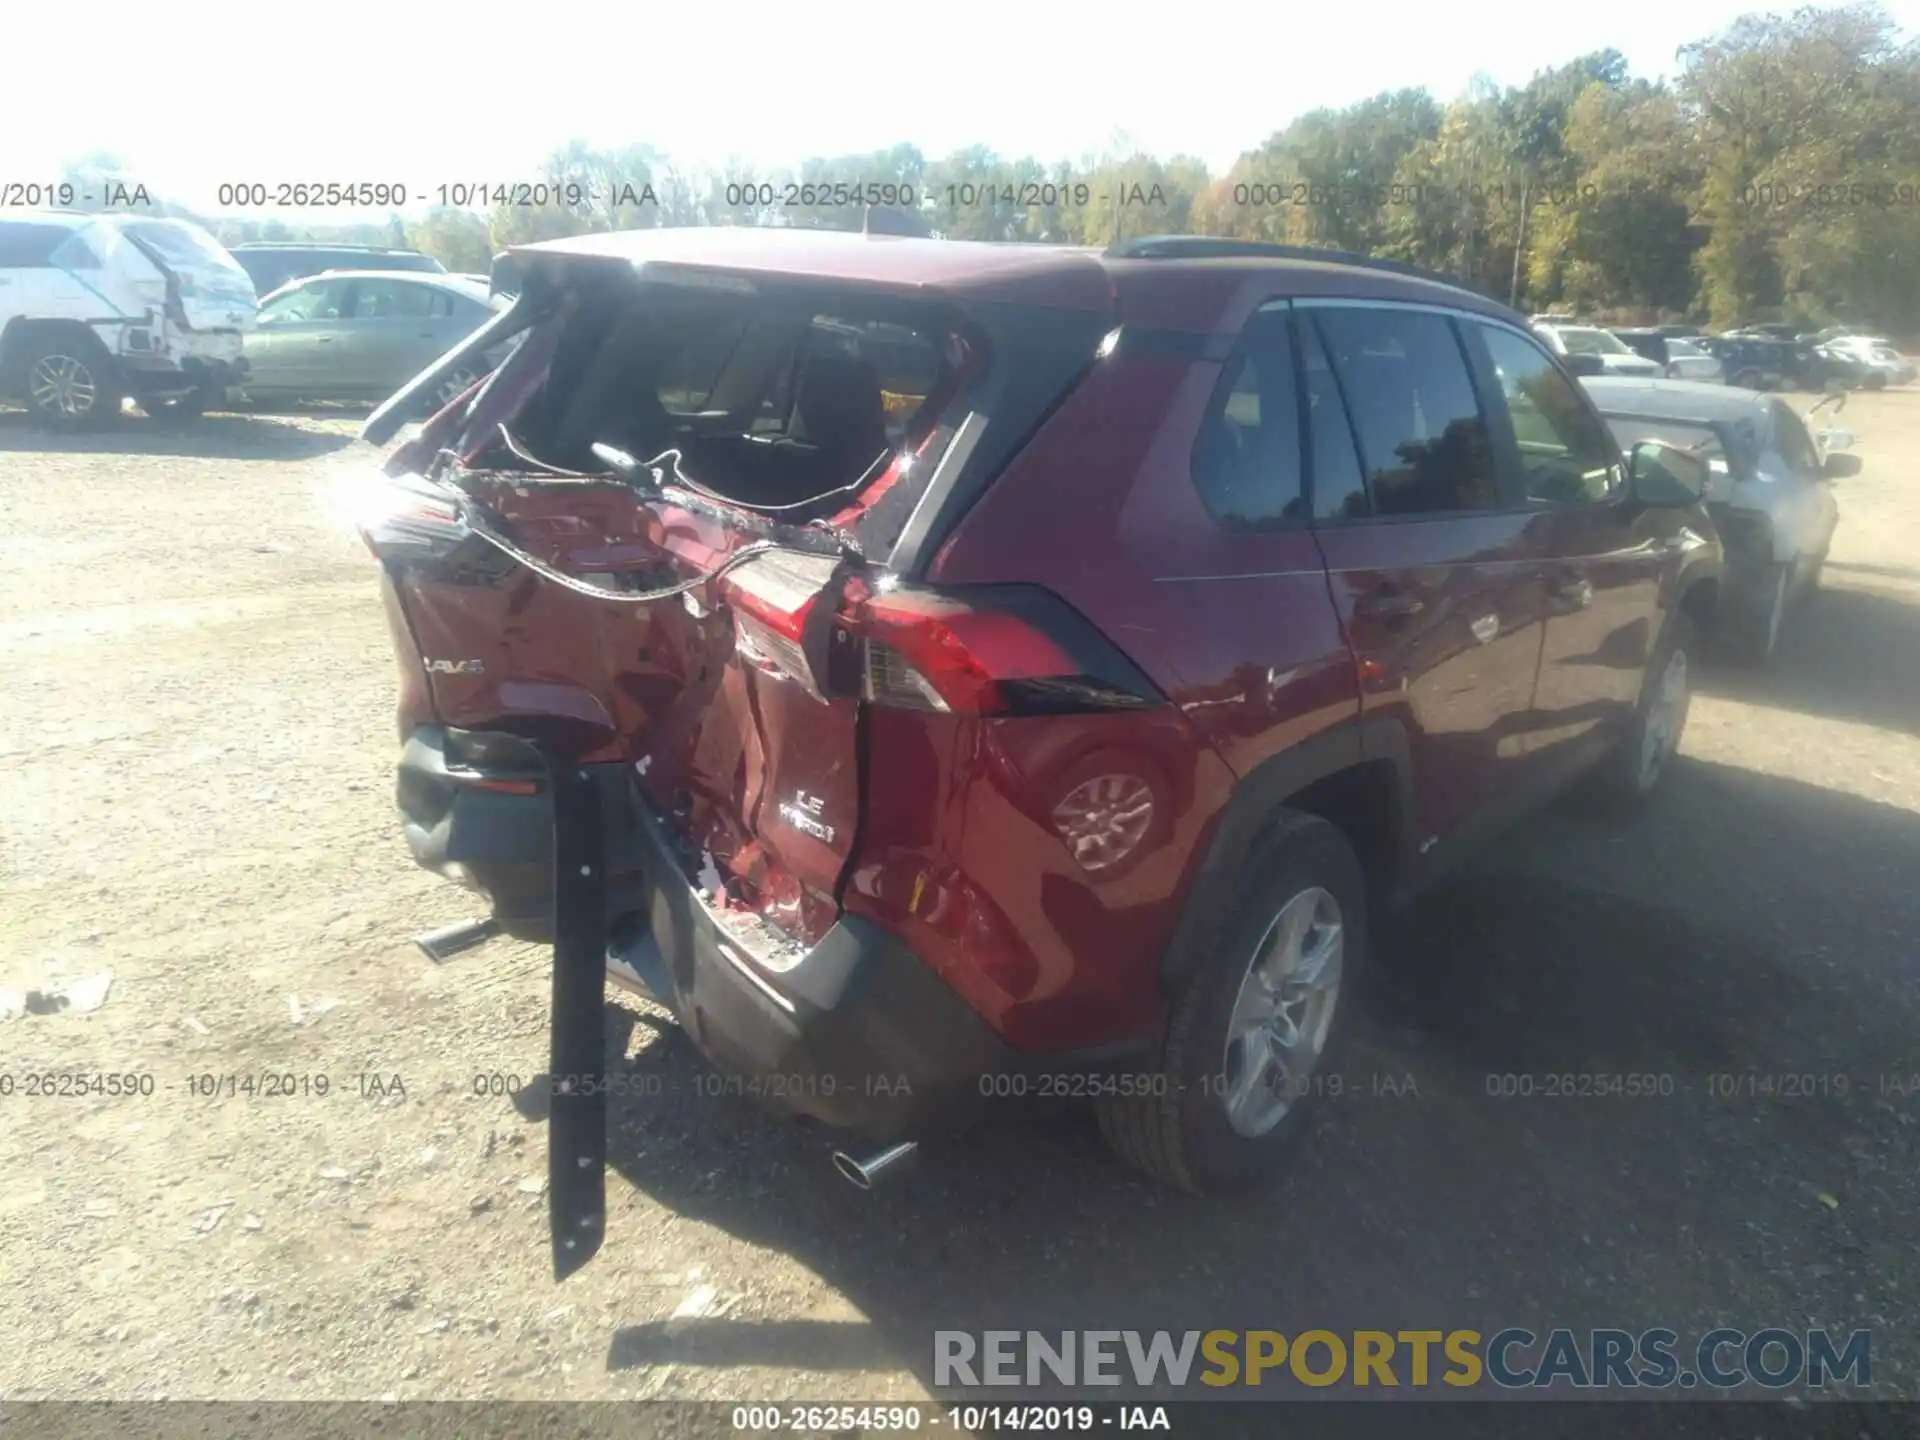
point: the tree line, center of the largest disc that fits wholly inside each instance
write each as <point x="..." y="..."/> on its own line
<point x="1775" y="176"/>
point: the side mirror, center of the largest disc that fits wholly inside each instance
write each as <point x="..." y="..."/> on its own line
<point x="1840" y="467"/>
<point x="1664" y="475"/>
<point x="1585" y="364"/>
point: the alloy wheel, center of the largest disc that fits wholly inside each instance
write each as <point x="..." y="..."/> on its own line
<point x="1280" y="1019"/>
<point x="63" y="385"/>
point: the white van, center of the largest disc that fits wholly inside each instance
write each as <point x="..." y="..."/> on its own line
<point x="98" y="308"/>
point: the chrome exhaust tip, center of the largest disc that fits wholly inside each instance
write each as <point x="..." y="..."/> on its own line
<point x="882" y="1165"/>
<point x="448" y="941"/>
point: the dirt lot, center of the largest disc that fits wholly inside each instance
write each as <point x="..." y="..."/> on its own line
<point x="195" y="752"/>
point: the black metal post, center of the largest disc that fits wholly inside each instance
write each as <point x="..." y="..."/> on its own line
<point x="577" y="1116"/>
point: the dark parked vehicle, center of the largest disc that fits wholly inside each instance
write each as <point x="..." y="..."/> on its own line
<point x="361" y="335"/>
<point x="1788" y="333"/>
<point x="1207" y="593"/>
<point x="1751" y="363"/>
<point x="1819" y="367"/>
<point x="273" y="263"/>
<point x="1651" y="344"/>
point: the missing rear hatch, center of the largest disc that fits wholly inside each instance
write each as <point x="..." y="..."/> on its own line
<point x="801" y="405"/>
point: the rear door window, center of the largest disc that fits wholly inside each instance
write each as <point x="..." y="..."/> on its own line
<point x="1423" y="442"/>
<point x="1566" y="455"/>
<point x="1339" y="486"/>
<point x="1246" y="460"/>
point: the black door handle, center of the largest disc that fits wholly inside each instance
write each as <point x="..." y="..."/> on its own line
<point x="1389" y="605"/>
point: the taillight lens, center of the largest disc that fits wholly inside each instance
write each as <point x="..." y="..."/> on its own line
<point x="1000" y="650"/>
<point x="772" y="599"/>
<point x="406" y="518"/>
<point x="987" y="650"/>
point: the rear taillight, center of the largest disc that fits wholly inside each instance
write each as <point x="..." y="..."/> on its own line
<point x="772" y="599"/>
<point x="406" y="518"/>
<point x="987" y="650"/>
<point x="1001" y="650"/>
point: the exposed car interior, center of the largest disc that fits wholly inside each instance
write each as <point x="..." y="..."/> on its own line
<point x="786" y="404"/>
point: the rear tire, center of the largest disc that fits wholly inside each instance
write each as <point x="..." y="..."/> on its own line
<point x="1272" y="982"/>
<point x="1748" y="380"/>
<point x="71" y="384"/>
<point x="1632" y="771"/>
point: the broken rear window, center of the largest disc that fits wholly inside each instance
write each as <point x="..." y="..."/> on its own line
<point x="783" y="402"/>
<point x="808" y="400"/>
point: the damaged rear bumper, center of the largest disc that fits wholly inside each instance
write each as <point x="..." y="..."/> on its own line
<point x="858" y="1034"/>
<point x="461" y="821"/>
<point x="153" y="377"/>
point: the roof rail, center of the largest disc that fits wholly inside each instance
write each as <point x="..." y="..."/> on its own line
<point x="1214" y="247"/>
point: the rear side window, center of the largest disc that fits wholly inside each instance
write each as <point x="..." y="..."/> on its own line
<point x="24" y="246"/>
<point x="1423" y="441"/>
<point x="1246" y="461"/>
<point x="74" y="253"/>
<point x="180" y="245"/>
<point x="1795" y="445"/>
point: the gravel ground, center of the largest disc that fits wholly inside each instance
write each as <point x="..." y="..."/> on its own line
<point x="196" y="744"/>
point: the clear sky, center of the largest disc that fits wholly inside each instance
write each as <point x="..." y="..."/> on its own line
<point x="195" y="94"/>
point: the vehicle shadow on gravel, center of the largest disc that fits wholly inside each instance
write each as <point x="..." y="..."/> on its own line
<point x="314" y="409"/>
<point x="1457" y="1180"/>
<point x="212" y="437"/>
<point x="1849" y="654"/>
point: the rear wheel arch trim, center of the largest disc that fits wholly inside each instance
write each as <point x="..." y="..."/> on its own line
<point x="25" y="334"/>
<point x="1265" y="791"/>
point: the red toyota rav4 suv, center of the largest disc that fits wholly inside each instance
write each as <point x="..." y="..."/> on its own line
<point x="988" y="658"/>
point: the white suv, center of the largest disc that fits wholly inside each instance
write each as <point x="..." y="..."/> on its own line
<point x="98" y="308"/>
<point x="1614" y="355"/>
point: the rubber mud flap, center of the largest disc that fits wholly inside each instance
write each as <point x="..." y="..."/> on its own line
<point x="577" y="1116"/>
